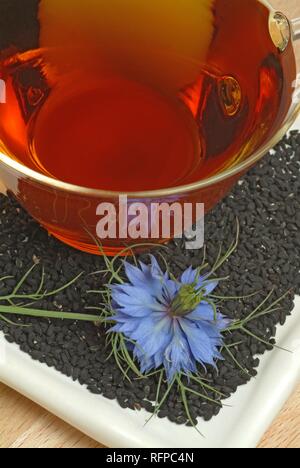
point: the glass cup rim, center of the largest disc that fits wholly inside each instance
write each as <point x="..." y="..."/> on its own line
<point x="179" y="190"/>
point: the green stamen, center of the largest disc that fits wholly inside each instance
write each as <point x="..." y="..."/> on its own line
<point x="187" y="299"/>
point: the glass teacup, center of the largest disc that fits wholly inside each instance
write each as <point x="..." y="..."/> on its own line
<point x="101" y="111"/>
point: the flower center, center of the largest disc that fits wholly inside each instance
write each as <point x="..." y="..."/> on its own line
<point x="187" y="299"/>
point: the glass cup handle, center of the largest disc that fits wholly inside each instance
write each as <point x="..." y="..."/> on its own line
<point x="295" y="30"/>
<point x="295" y="25"/>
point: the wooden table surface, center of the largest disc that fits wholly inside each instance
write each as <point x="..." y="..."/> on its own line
<point x="23" y="424"/>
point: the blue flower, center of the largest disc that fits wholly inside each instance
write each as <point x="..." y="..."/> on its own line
<point x="171" y="323"/>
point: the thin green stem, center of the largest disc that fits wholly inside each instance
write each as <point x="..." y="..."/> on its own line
<point x="22" y="311"/>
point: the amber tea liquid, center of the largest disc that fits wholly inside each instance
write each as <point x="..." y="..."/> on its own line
<point x="151" y="98"/>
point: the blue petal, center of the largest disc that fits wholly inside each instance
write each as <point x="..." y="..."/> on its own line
<point x="153" y="335"/>
<point x="119" y="316"/>
<point x="146" y="364"/>
<point x="200" y="344"/>
<point x="134" y="274"/>
<point x="159" y="358"/>
<point x="115" y="328"/>
<point x="149" y="277"/>
<point x="223" y="322"/>
<point x="171" y="288"/>
<point x="131" y="290"/>
<point x="211" y="331"/>
<point x="155" y="268"/>
<point x="177" y="355"/>
<point x="135" y="297"/>
<point x="209" y="286"/>
<point x="126" y="324"/>
<point x="136" y="311"/>
<point x="126" y="294"/>
<point x="146" y="269"/>
<point x="189" y="276"/>
<point x="203" y="311"/>
<point x="125" y="328"/>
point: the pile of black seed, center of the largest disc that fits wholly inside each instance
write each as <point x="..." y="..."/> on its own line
<point x="267" y="204"/>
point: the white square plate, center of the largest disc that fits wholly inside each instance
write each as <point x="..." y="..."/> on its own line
<point x="241" y="425"/>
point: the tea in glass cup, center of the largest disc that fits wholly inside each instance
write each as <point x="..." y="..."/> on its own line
<point x="153" y="99"/>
